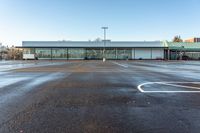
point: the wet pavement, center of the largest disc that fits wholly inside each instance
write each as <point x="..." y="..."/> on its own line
<point x="97" y="97"/>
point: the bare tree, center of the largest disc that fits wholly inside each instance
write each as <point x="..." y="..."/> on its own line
<point x="177" y="39"/>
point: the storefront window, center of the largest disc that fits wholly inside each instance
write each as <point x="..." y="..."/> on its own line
<point x="124" y="53"/>
<point x="94" y="53"/>
<point x="43" y="53"/>
<point x="59" y="53"/>
<point x="76" y="53"/>
<point x="192" y="55"/>
<point x="110" y="53"/>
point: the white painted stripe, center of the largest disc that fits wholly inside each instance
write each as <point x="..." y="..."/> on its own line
<point x="140" y="88"/>
<point x="120" y="64"/>
<point x="170" y="84"/>
<point x="183" y="86"/>
<point x="171" y="92"/>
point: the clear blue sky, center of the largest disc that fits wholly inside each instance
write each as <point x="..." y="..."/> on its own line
<point x="82" y="19"/>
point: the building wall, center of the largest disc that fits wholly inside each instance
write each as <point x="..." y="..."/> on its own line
<point x="192" y="40"/>
<point x="96" y="53"/>
<point x="197" y="39"/>
<point x="142" y="53"/>
<point x="95" y="49"/>
<point x="149" y="53"/>
<point x="157" y="53"/>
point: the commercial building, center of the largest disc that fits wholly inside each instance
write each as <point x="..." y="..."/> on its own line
<point x="93" y="50"/>
<point x="194" y="39"/>
<point x="114" y="50"/>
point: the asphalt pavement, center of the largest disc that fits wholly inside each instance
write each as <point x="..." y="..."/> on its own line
<point x="100" y="97"/>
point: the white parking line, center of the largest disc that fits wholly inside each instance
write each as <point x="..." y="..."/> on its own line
<point x="120" y="64"/>
<point x="169" y="84"/>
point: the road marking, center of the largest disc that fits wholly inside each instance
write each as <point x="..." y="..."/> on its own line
<point x="169" y="84"/>
<point x="120" y="64"/>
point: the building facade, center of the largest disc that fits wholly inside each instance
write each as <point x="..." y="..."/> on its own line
<point x="192" y="40"/>
<point x="93" y="50"/>
<point x="183" y="50"/>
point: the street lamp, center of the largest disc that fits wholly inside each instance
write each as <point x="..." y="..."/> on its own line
<point x="104" y="28"/>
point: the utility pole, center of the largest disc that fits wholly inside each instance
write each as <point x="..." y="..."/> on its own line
<point x="104" y="42"/>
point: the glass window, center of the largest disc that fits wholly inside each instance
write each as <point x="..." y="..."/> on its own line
<point x="59" y="53"/>
<point x="76" y="53"/>
<point x="124" y="53"/>
<point x="94" y="53"/>
<point x="192" y="55"/>
<point x="43" y="53"/>
<point x="110" y="53"/>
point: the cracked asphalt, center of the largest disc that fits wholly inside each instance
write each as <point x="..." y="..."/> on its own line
<point x="98" y="97"/>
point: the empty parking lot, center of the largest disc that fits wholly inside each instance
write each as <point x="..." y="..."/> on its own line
<point x="96" y="96"/>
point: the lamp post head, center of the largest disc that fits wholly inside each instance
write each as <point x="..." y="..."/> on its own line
<point x="104" y="27"/>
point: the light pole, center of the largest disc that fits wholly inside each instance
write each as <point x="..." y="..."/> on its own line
<point x="104" y="42"/>
<point x="181" y="53"/>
